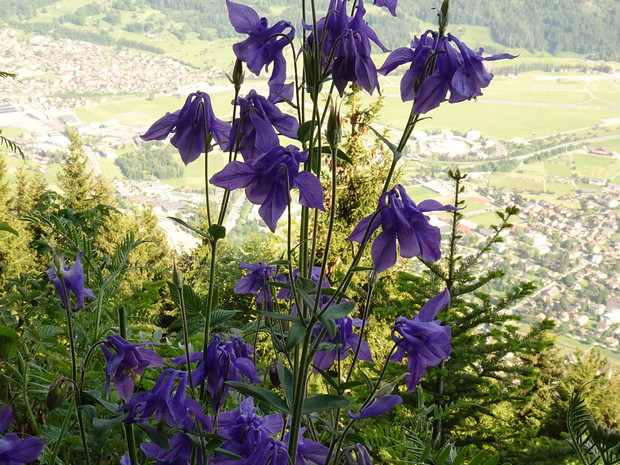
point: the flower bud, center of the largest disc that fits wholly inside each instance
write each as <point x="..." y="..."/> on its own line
<point x="274" y="377"/>
<point x="238" y="75"/>
<point x="372" y="277"/>
<point x="57" y="395"/>
<point x="334" y="128"/>
<point x="443" y="16"/>
<point x="177" y="277"/>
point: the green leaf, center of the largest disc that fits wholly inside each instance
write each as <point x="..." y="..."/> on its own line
<point x="295" y="334"/>
<point x="286" y="379"/>
<point x="339" y="311"/>
<point x="154" y="435"/>
<point x="196" y="230"/>
<point x="4" y="226"/>
<point x="282" y="316"/>
<point x="261" y="393"/>
<point x="9" y="340"/>
<point x="393" y="148"/>
<point x="304" y="131"/>
<point x="324" y="402"/>
<point x="103" y="425"/>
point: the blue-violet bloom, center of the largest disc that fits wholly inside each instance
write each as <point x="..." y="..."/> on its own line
<point x="362" y="457"/>
<point x="13" y="450"/>
<point x="258" y="121"/>
<point x="168" y="402"/>
<point x="74" y="282"/>
<point x="225" y="361"/>
<point x="377" y="407"/>
<point x="404" y="222"/>
<point x="263" y="46"/>
<point x="125" y="363"/>
<point x="267" y="180"/>
<point x="245" y="429"/>
<point x="436" y="68"/>
<point x="179" y="453"/>
<point x="345" y="339"/>
<point x="389" y="4"/>
<point x="425" y="341"/>
<point x="256" y="281"/>
<point x="188" y="127"/>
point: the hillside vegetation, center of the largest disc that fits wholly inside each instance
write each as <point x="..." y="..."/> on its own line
<point x="155" y="25"/>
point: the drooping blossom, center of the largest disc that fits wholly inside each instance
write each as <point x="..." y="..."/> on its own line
<point x="74" y="282"/>
<point x="389" y="4"/>
<point x="225" y="361"/>
<point x="265" y="181"/>
<point x="190" y="125"/>
<point x="256" y="281"/>
<point x="263" y="46"/>
<point x="357" y="455"/>
<point x="377" y="407"/>
<point x="179" y="453"/>
<point x="125" y="363"/>
<point x="436" y="68"/>
<point x="258" y="121"/>
<point x="425" y="341"/>
<point x="245" y="429"/>
<point x="349" y="40"/>
<point x="404" y="222"/>
<point x="167" y="402"/>
<point x="344" y="340"/>
<point x="13" y="450"/>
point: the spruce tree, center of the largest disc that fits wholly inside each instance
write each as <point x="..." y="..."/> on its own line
<point x="75" y="178"/>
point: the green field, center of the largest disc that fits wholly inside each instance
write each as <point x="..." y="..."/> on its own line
<point x="561" y="170"/>
<point x="594" y="166"/>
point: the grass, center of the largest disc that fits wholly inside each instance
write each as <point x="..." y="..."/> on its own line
<point x="11" y="133"/>
<point x="109" y="169"/>
<point x="559" y="188"/>
<point x="557" y="169"/>
<point x="569" y="342"/>
<point x="484" y="219"/>
<point x="594" y="166"/>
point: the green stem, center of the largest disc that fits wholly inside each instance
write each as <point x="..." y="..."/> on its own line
<point x="209" y="309"/>
<point x="78" y="393"/>
<point x="63" y="430"/>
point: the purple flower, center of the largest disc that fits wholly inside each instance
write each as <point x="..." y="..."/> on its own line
<point x="349" y="39"/>
<point x="263" y="45"/>
<point x="345" y="339"/>
<point x="129" y="361"/>
<point x="403" y="221"/>
<point x="180" y="452"/>
<point x="265" y="180"/>
<point x="245" y="429"/>
<point x="256" y="281"/>
<point x="225" y="361"/>
<point x="426" y="342"/>
<point x="258" y="118"/>
<point x="377" y="407"/>
<point x="74" y="282"/>
<point x="270" y="451"/>
<point x="389" y="4"/>
<point x="188" y="126"/>
<point x="436" y="68"/>
<point x="168" y="402"/>
<point x="362" y="457"/>
<point x="352" y="62"/>
<point x="13" y="450"/>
